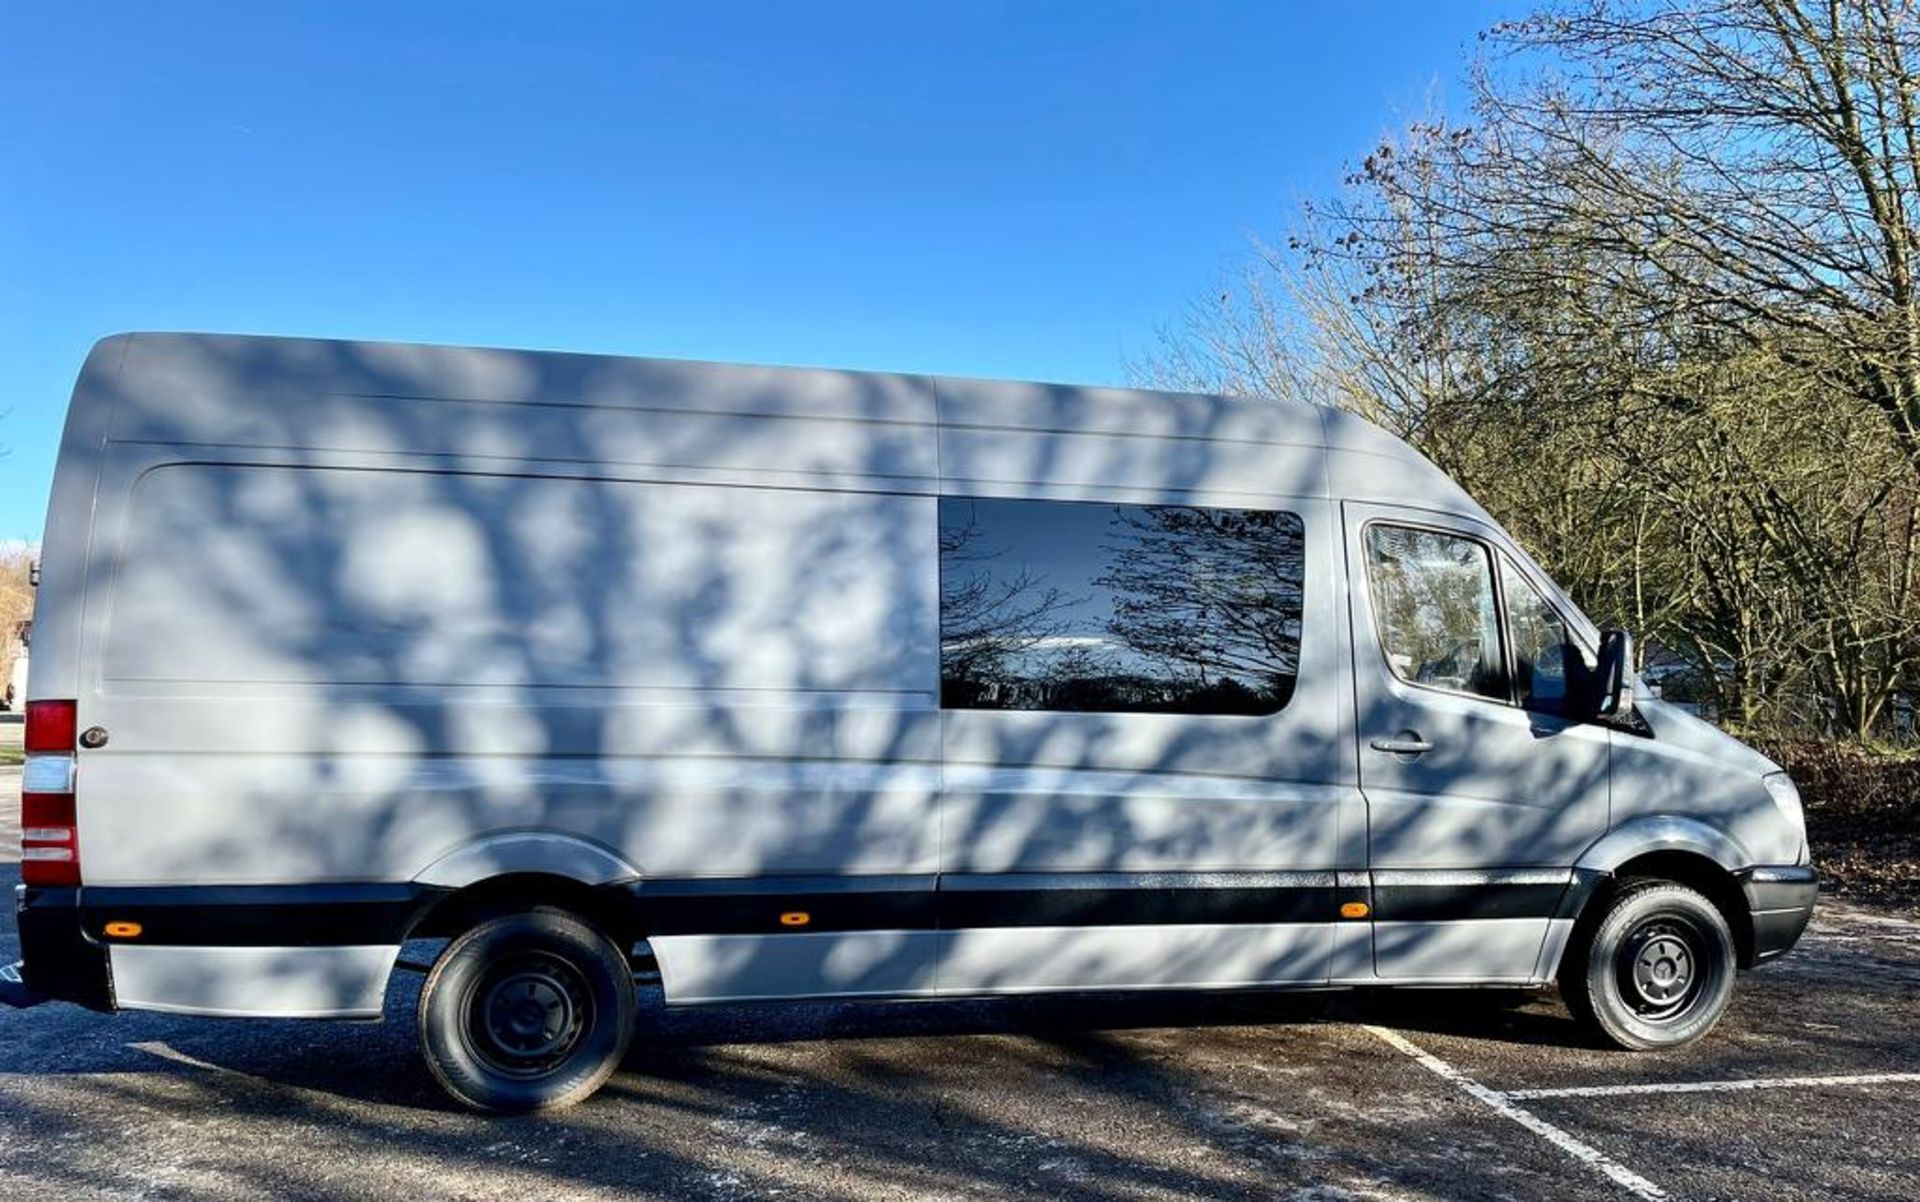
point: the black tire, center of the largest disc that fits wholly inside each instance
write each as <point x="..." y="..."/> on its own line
<point x="529" y="1011"/>
<point x="1655" y="972"/>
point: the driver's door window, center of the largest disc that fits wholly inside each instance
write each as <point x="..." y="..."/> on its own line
<point x="1434" y="609"/>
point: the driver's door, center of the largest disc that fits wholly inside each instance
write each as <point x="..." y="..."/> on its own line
<point x="1481" y="791"/>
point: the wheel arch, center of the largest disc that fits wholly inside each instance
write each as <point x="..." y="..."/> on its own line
<point x="546" y="853"/>
<point x="520" y="870"/>
<point x="1685" y="851"/>
<point x="1640" y="837"/>
<point x="611" y="909"/>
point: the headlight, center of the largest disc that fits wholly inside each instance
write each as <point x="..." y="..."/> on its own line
<point x="1781" y="788"/>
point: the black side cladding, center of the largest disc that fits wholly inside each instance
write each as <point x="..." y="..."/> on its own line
<point x="61" y="963"/>
<point x="259" y="915"/>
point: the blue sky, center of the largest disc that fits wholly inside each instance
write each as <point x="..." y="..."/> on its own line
<point x="999" y="189"/>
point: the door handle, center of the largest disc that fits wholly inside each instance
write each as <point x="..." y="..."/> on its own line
<point x="1406" y="743"/>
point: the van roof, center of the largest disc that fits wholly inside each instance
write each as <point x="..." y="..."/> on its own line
<point x="231" y="389"/>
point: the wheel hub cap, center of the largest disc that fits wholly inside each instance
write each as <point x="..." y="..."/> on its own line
<point x="1660" y="970"/>
<point x="528" y="1014"/>
<point x="1663" y="969"/>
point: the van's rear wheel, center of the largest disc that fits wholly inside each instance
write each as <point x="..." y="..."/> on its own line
<point x="1656" y="972"/>
<point x="529" y="1011"/>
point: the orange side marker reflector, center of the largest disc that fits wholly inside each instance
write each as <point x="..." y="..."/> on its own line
<point x="1355" y="910"/>
<point x="795" y="918"/>
<point x="123" y="930"/>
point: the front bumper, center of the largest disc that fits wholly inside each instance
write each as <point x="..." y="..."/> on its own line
<point x="59" y="962"/>
<point x="1780" y="904"/>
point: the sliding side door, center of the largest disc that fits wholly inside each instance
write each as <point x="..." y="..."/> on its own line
<point x="1143" y="732"/>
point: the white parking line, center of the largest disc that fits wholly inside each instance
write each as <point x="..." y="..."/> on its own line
<point x="165" y="1051"/>
<point x="1502" y="1105"/>
<point x="1610" y="1091"/>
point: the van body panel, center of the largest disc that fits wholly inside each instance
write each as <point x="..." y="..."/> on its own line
<point x="340" y="817"/>
<point x="1484" y="951"/>
<point x="66" y="547"/>
<point x="1489" y="804"/>
<point x="1041" y="959"/>
<point x="459" y="582"/>
<point x="253" y="982"/>
<point x="1692" y="770"/>
<point x="368" y="605"/>
<point x="1070" y="820"/>
<point x="731" y="968"/>
<point x="364" y="624"/>
<point x="238" y="390"/>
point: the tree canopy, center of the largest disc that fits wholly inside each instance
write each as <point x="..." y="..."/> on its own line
<point x="1653" y="299"/>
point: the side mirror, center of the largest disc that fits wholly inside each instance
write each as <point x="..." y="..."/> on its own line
<point x="1611" y="695"/>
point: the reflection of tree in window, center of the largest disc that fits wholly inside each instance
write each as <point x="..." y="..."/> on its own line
<point x="1088" y="607"/>
<point x="989" y="611"/>
<point x="1210" y="601"/>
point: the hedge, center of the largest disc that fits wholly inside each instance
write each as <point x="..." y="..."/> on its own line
<point x="1863" y="816"/>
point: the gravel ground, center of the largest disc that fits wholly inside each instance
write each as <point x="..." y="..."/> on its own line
<point x="1308" y="1097"/>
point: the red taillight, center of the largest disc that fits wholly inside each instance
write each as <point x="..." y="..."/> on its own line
<point x="49" y="839"/>
<point x="49" y="825"/>
<point x="39" y="811"/>
<point x="51" y="725"/>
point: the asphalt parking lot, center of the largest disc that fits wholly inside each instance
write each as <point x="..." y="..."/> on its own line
<point x="1808" y="1090"/>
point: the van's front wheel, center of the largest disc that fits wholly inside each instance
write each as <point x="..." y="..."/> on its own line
<point x="528" y="1011"/>
<point x="1656" y="972"/>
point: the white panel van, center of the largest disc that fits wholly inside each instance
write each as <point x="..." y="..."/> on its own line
<point x="804" y="684"/>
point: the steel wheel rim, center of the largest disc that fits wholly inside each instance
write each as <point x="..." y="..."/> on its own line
<point x="1662" y="967"/>
<point x="527" y="1014"/>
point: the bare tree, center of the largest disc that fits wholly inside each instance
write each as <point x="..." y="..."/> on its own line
<point x="1655" y="304"/>
<point x="16" y="607"/>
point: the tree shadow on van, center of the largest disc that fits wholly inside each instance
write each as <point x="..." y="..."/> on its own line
<point x="367" y="606"/>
